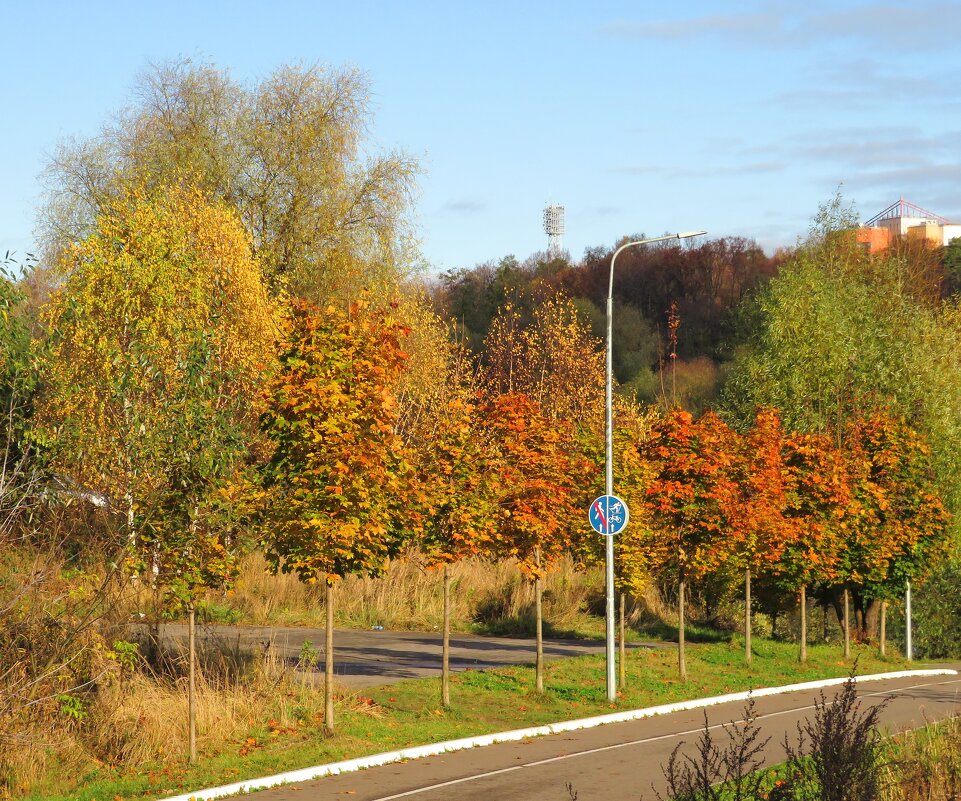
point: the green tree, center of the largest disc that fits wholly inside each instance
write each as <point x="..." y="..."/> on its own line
<point x="840" y="333"/>
<point x="19" y="475"/>
<point x="952" y="264"/>
<point x="287" y="153"/>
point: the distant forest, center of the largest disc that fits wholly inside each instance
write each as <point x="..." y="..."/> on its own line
<point x="707" y="283"/>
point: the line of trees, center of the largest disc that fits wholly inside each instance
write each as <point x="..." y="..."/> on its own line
<point x="197" y="369"/>
<point x="176" y="386"/>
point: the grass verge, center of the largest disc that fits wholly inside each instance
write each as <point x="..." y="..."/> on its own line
<point x="408" y="713"/>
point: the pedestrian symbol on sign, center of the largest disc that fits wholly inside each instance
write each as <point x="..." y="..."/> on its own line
<point x="608" y="515"/>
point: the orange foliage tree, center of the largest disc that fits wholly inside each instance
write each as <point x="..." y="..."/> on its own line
<point x="688" y="500"/>
<point x="541" y="490"/>
<point x="336" y="481"/>
<point x="817" y="499"/>
<point x="897" y="520"/>
<point x="759" y="529"/>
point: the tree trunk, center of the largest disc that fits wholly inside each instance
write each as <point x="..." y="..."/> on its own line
<point x="329" y="662"/>
<point x="847" y="625"/>
<point x="539" y="662"/>
<point x="882" y="640"/>
<point x="872" y="616"/>
<point x="445" y="653"/>
<point x="804" y="624"/>
<point x="622" y="648"/>
<point x="747" y="615"/>
<point x="131" y="524"/>
<point x="865" y="616"/>
<point x="192" y="683"/>
<point x="681" y="666"/>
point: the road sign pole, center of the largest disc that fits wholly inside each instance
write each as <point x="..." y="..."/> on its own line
<point x="609" y="490"/>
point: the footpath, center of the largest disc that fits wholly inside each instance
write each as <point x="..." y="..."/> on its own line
<point x="608" y="754"/>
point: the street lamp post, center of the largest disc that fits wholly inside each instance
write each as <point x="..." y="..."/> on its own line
<point x="609" y="453"/>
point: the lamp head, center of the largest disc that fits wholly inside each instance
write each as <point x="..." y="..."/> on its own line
<point x="689" y="234"/>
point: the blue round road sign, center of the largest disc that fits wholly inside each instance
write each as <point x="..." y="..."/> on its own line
<point x="608" y="515"/>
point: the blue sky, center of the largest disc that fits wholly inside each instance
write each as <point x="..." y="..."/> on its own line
<point x="739" y="118"/>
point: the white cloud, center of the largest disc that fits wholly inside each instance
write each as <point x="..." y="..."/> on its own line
<point x="880" y="25"/>
<point x="465" y="206"/>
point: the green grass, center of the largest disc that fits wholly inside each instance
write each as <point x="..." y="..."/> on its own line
<point x="409" y="713"/>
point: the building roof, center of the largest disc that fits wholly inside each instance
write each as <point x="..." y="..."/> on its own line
<point x="903" y="208"/>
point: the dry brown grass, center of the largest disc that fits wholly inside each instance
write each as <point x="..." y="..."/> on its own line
<point x="143" y="719"/>
<point x="484" y="593"/>
<point x="926" y="764"/>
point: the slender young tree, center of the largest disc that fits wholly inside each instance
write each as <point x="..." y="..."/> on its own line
<point x="688" y="500"/>
<point x="898" y="521"/>
<point x="818" y="497"/>
<point x="336" y="481"/>
<point x="540" y="480"/>
<point x="458" y="492"/>
<point x="759" y="529"/>
<point x="157" y="337"/>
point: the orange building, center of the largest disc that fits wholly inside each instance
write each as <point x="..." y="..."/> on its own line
<point x="903" y="220"/>
<point x="874" y="240"/>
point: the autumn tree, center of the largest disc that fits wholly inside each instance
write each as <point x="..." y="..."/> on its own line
<point x="335" y="483"/>
<point x="759" y="529"/>
<point x="326" y="218"/>
<point x="459" y="497"/>
<point x="451" y="487"/>
<point x="540" y="490"/>
<point x="553" y="359"/>
<point x="817" y="501"/>
<point x="687" y="500"/>
<point x="897" y="522"/>
<point x="156" y="341"/>
<point x="165" y="276"/>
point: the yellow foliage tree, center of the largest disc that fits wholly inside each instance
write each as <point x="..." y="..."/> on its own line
<point x="553" y="359"/>
<point x="165" y="275"/>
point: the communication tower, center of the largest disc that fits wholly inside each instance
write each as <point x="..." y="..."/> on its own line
<point x="554" y="228"/>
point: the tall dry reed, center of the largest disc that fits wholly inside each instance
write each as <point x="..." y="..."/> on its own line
<point x="487" y="593"/>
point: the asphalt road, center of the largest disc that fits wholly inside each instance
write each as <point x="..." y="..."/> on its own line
<point x="369" y="658"/>
<point x="618" y="762"/>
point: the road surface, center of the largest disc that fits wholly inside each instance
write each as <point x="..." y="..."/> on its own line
<point x="617" y="762"/>
<point x="369" y="658"/>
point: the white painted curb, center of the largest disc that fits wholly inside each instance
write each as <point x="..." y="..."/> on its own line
<point x="348" y="765"/>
